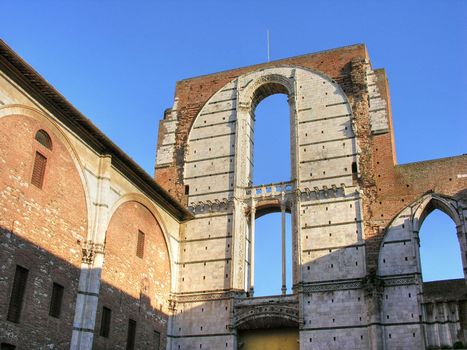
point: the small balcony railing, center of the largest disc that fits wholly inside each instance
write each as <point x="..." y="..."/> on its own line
<point x="271" y="190"/>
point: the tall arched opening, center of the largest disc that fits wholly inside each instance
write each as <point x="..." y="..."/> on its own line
<point x="271" y="164"/>
<point x="444" y="292"/>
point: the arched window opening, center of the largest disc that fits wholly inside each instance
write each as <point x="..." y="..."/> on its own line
<point x="271" y="149"/>
<point x="440" y="252"/>
<point x="443" y="286"/>
<point x="267" y="262"/>
<point x="44" y="139"/>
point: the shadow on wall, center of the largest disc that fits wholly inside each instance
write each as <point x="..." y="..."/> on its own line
<point x="33" y="327"/>
<point x="331" y="315"/>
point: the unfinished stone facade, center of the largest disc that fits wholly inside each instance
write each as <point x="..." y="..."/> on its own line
<point x="355" y="212"/>
<point x="170" y="264"/>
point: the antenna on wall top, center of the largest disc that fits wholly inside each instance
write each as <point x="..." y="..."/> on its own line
<point x="267" y="38"/>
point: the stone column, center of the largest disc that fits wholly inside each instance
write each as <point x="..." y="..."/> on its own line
<point x="284" y="281"/>
<point x="373" y="289"/>
<point x="252" y="248"/>
<point x="92" y="262"/>
<point x="240" y="221"/>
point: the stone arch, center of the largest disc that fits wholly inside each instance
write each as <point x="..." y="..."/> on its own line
<point x="450" y="207"/>
<point x="268" y="207"/>
<point x="430" y="202"/>
<point x="54" y="128"/>
<point x="407" y="223"/>
<point x="280" y="79"/>
<point x="268" y="317"/>
<point x="217" y="167"/>
<point x="255" y="90"/>
<point x="401" y="274"/>
<point x="145" y="202"/>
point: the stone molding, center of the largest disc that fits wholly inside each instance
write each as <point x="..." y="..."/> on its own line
<point x="89" y="250"/>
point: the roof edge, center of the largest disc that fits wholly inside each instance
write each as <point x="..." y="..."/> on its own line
<point x="353" y="46"/>
<point x="432" y="160"/>
<point x="35" y="85"/>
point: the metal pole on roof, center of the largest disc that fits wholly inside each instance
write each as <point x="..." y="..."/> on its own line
<point x="267" y="38"/>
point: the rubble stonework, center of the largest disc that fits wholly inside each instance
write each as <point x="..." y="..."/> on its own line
<point x="173" y="258"/>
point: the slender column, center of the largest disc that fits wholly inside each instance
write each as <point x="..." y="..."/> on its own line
<point x="284" y="286"/>
<point x="252" y="248"/>
<point x="92" y="262"/>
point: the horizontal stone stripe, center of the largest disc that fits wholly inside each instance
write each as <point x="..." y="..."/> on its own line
<point x="200" y="335"/>
<point x="208" y="193"/>
<point x="332" y="224"/>
<point x="325" y="118"/>
<point x="88" y="293"/>
<point x="361" y="326"/>
<point x="210" y="158"/>
<point x="205" y="239"/>
<point x="220" y="111"/>
<point x="326" y="178"/>
<point x="396" y="241"/>
<point x="209" y="216"/>
<point x="214" y="124"/>
<point x="225" y="100"/>
<point x="202" y="261"/>
<point x="331" y="202"/>
<point x="327" y="141"/>
<point x="335" y="247"/>
<point x="328" y="158"/>
<point x="211" y="137"/>
<point x="86" y="330"/>
<point x="209" y="175"/>
<point x="337" y="104"/>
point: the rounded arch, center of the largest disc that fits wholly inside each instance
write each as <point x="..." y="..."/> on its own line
<point x="268" y="207"/>
<point x="44" y="139"/>
<point x="53" y="128"/>
<point x="283" y="81"/>
<point x="267" y="316"/>
<point x="145" y="202"/>
<point x="266" y="85"/>
<point x="272" y="83"/>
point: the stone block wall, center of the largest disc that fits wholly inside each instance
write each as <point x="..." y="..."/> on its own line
<point x="345" y="196"/>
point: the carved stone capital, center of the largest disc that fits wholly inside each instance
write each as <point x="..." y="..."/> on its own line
<point x="90" y="250"/>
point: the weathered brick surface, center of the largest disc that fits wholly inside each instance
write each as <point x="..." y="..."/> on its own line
<point x="397" y="186"/>
<point x="41" y="230"/>
<point x="134" y="287"/>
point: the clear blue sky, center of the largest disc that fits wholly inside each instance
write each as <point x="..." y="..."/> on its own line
<point x="118" y="61"/>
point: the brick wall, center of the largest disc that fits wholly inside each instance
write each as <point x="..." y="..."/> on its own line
<point x="41" y="230"/>
<point x="134" y="287"/>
